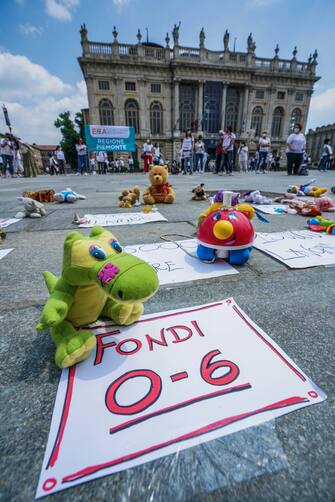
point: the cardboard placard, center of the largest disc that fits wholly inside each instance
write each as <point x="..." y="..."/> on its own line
<point x="111" y="220"/>
<point x="170" y="381"/>
<point x="5" y="222"/>
<point x="4" y="252"/>
<point x="269" y="209"/>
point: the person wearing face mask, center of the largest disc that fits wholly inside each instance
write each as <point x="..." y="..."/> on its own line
<point x="296" y="143"/>
<point x="264" y="147"/>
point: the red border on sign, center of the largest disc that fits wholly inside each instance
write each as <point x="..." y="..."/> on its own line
<point x="69" y="392"/>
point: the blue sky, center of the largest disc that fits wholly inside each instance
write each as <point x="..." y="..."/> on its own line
<point x="39" y="44"/>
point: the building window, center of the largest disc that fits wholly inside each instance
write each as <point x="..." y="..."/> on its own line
<point x="156" y="88"/>
<point x="277" y="122"/>
<point x="299" y="96"/>
<point x="186" y="107"/>
<point x="211" y="119"/>
<point x="259" y="94"/>
<point x="106" y="112"/>
<point x="103" y="85"/>
<point x="295" y="118"/>
<point x="232" y="108"/>
<point x="257" y="120"/>
<point x="280" y="95"/>
<point x="132" y="114"/>
<point x="156" y="118"/>
<point x="130" y="86"/>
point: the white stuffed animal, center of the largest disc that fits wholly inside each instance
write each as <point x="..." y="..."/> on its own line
<point x="31" y="208"/>
<point x="68" y="195"/>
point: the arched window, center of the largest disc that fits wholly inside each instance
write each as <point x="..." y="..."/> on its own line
<point x="106" y="112"/>
<point x="277" y="122"/>
<point x="132" y="114"/>
<point x="232" y="107"/>
<point x="295" y="118"/>
<point x="257" y="120"/>
<point x="156" y="118"/>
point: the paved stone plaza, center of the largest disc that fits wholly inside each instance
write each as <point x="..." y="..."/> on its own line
<point x="289" y="459"/>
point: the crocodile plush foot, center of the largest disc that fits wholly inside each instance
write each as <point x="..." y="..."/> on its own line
<point x="123" y="314"/>
<point x="71" y="346"/>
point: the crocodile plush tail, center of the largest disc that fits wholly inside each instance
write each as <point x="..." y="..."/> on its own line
<point x="50" y="281"/>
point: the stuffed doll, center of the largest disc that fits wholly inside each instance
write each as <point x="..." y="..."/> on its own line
<point x="129" y="198"/>
<point x="31" y="208"/>
<point x="199" y="192"/>
<point x="98" y="279"/>
<point x="40" y="195"/>
<point x="256" y="197"/>
<point x="325" y="204"/>
<point x="68" y="195"/>
<point x="304" y="208"/>
<point x="320" y="224"/>
<point x="160" y="189"/>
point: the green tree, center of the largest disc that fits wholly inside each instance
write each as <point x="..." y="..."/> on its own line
<point x="71" y="132"/>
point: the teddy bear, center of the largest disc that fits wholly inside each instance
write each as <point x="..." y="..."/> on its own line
<point x="129" y="198"/>
<point x="31" y="208"/>
<point x="199" y="192"/>
<point x="160" y="189"/>
<point x="68" y="195"/>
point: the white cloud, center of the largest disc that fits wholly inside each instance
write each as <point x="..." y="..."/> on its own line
<point x="30" y="29"/>
<point x="61" y="9"/>
<point x="120" y="3"/>
<point x="322" y="109"/>
<point x="34" y="98"/>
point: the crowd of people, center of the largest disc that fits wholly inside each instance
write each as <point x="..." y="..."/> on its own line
<point x="10" y="157"/>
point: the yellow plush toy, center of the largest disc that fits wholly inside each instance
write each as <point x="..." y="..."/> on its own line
<point x="160" y="189"/>
<point x="129" y="197"/>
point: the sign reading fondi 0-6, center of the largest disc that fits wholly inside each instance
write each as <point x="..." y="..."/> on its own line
<point x="110" y="138"/>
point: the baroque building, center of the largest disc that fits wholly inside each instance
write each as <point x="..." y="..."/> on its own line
<point x="316" y="138"/>
<point x="163" y="90"/>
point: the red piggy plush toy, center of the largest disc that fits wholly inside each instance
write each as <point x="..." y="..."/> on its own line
<point x="226" y="232"/>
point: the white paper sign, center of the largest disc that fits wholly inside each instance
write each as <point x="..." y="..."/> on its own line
<point x="298" y="248"/>
<point x="173" y="265"/>
<point x="5" y="222"/>
<point x="110" y="220"/>
<point x="269" y="209"/>
<point x="170" y="381"/>
<point x="4" y="252"/>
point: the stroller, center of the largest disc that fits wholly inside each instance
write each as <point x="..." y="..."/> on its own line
<point x="303" y="168"/>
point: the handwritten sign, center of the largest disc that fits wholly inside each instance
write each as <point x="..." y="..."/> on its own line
<point x="5" y="252"/>
<point x="298" y="248"/>
<point x="174" y="265"/>
<point x="5" y="222"/>
<point x="170" y="381"/>
<point x="111" y="220"/>
<point x="269" y="209"/>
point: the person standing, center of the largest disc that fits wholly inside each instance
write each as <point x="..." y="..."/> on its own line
<point x="157" y="154"/>
<point x="60" y="159"/>
<point x="296" y="143"/>
<point x="199" y="148"/>
<point x="227" y="151"/>
<point x="264" y="148"/>
<point x="187" y="153"/>
<point x="82" y="157"/>
<point x="101" y="158"/>
<point x="130" y="164"/>
<point x="243" y="157"/>
<point x="148" y="151"/>
<point x="327" y="154"/>
<point x="53" y="164"/>
<point x="7" y="154"/>
<point x="92" y="164"/>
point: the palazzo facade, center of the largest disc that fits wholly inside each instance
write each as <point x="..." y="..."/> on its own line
<point x="163" y="90"/>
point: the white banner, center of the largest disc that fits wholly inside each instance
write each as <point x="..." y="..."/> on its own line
<point x="4" y="252"/>
<point x="298" y="248"/>
<point x="170" y="381"/>
<point x="99" y="131"/>
<point x="111" y="220"/>
<point x="269" y="209"/>
<point x="173" y="265"/>
<point x="5" y="222"/>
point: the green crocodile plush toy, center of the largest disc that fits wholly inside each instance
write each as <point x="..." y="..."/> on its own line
<point x="98" y="279"/>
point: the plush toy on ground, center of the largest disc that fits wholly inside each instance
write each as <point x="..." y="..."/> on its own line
<point x="160" y="189"/>
<point x="199" y="192"/>
<point x="320" y="224"/>
<point x="31" y="208"/>
<point x="40" y="195"/>
<point x="325" y="204"/>
<point x="98" y="279"/>
<point x="304" y="208"/>
<point x="68" y="195"/>
<point x="129" y="198"/>
<point x="226" y="232"/>
<point x="307" y="189"/>
<point x="256" y="197"/>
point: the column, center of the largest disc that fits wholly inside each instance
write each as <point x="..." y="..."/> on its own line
<point x="200" y="103"/>
<point x="119" y="112"/>
<point x="305" y="108"/>
<point x="144" y="123"/>
<point x="223" y="104"/>
<point x="176" y="118"/>
<point x="288" y="112"/>
<point x="268" y="118"/>
<point x="245" y="108"/>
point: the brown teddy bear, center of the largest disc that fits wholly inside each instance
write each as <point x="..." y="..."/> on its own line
<point x="129" y="197"/>
<point x="199" y="192"/>
<point x="160" y="189"/>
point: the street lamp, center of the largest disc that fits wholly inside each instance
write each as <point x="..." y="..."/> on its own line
<point x="5" y="113"/>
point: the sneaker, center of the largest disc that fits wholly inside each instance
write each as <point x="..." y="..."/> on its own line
<point x="85" y="174"/>
<point x="77" y="174"/>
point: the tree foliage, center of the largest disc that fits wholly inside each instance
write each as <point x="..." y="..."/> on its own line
<point x="71" y="131"/>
